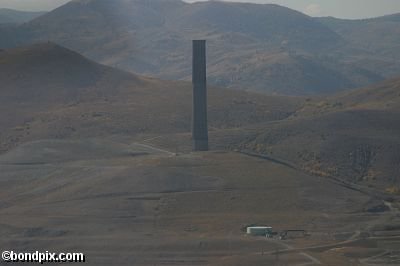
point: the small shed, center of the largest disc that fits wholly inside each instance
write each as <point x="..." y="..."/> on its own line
<point x="259" y="230"/>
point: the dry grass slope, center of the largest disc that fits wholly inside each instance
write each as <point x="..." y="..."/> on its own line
<point x="51" y="92"/>
<point x="153" y="38"/>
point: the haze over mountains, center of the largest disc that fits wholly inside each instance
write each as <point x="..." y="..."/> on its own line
<point x="378" y="35"/>
<point x="266" y="48"/>
<point x="15" y="16"/>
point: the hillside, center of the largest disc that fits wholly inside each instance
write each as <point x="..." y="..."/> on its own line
<point x="153" y="39"/>
<point x="280" y="24"/>
<point x="353" y="136"/>
<point x="84" y="99"/>
<point x="51" y="92"/>
<point x="377" y="40"/>
<point x="272" y="24"/>
<point x="288" y="73"/>
<point x="378" y="35"/>
<point x="383" y="96"/>
<point x="16" y="16"/>
<point x="47" y="73"/>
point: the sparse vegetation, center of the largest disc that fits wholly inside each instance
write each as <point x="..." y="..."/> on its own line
<point x="267" y="48"/>
<point x="394" y="190"/>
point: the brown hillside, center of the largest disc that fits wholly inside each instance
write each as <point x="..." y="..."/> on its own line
<point x="352" y="136"/>
<point x="153" y="38"/>
<point x="47" y="73"/>
<point x="51" y="92"/>
<point x="355" y="136"/>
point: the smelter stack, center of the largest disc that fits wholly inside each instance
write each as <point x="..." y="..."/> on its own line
<point x="199" y="79"/>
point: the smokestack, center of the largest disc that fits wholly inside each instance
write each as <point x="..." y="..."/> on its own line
<point x="199" y="79"/>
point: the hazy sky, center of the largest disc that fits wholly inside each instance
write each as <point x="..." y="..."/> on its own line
<point x="336" y="8"/>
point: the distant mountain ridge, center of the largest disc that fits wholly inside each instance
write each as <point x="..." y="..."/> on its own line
<point x="267" y="48"/>
<point x="379" y="37"/>
<point x="16" y="16"/>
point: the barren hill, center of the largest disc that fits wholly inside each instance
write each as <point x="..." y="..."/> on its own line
<point x="153" y="38"/>
<point x="16" y="16"/>
<point x="377" y="35"/>
<point x="47" y="73"/>
<point x="354" y="136"/>
<point x="273" y="24"/>
<point x="51" y="92"/>
<point x="376" y="39"/>
<point x="288" y="73"/>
